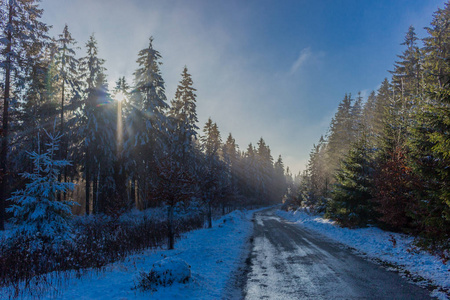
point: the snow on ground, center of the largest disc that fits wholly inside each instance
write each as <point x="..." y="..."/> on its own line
<point x="378" y="244"/>
<point x="213" y="255"/>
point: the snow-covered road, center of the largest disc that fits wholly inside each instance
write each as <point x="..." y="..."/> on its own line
<point x="290" y="262"/>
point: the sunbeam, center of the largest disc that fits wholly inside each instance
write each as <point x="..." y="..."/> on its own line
<point x="119" y="97"/>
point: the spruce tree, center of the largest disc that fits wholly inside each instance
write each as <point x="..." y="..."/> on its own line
<point x="279" y="180"/>
<point x="212" y="169"/>
<point x="147" y="120"/>
<point x="318" y="176"/>
<point x="21" y="28"/>
<point x="393" y="128"/>
<point x="428" y="143"/>
<point x="406" y="87"/>
<point x="407" y="72"/>
<point x="437" y="48"/>
<point x="184" y="115"/>
<point x="369" y="120"/>
<point x="340" y="135"/>
<point x="66" y="65"/>
<point x="351" y="197"/>
<point x="250" y="173"/>
<point x="264" y="162"/>
<point x="382" y="103"/>
<point x="36" y="210"/>
<point x="36" y="109"/>
<point x="429" y="157"/>
<point x="211" y="140"/>
<point x="230" y="153"/>
<point x="356" y="113"/>
<point x="231" y="162"/>
<point x="98" y="128"/>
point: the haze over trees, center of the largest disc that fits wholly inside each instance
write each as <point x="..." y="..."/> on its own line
<point x="122" y="153"/>
<point x="385" y="161"/>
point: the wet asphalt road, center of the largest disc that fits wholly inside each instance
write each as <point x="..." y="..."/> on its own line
<point x="289" y="262"/>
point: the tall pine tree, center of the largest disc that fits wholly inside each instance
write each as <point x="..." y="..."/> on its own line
<point x="97" y="130"/>
<point x="66" y="75"/>
<point x="21" y="28"/>
<point x="351" y="197"/>
<point x="147" y="121"/>
<point x="184" y="116"/>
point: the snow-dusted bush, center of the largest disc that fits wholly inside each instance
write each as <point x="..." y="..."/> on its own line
<point x="36" y="211"/>
<point x="164" y="273"/>
<point x="96" y="241"/>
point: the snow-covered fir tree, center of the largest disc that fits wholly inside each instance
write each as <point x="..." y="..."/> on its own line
<point x="147" y="121"/>
<point x="184" y="115"/>
<point x="97" y="129"/>
<point x="36" y="211"/>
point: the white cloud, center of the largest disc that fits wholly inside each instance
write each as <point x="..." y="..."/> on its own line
<point x="303" y="57"/>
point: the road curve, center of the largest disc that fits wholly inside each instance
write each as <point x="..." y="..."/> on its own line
<point x="290" y="262"/>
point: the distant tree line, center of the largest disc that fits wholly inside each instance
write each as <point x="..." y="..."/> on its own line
<point x="386" y="161"/>
<point x="139" y="152"/>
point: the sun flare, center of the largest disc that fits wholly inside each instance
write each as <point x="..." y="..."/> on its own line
<point x="119" y="97"/>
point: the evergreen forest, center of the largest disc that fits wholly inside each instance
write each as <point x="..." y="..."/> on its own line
<point x="384" y="160"/>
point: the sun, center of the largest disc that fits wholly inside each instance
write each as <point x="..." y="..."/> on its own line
<point x="120" y="96"/>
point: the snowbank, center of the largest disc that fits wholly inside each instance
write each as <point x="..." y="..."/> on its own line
<point x="212" y="254"/>
<point x="393" y="248"/>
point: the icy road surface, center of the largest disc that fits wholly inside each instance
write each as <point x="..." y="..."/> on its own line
<point x="290" y="262"/>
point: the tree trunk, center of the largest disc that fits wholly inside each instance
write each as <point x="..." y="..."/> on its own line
<point x="143" y="194"/>
<point x="95" y="194"/>
<point x="171" y="238"/>
<point x="120" y="183"/>
<point x="133" y="192"/>
<point x="4" y="133"/>
<point x="209" y="214"/>
<point x="88" y="182"/>
<point x="61" y="195"/>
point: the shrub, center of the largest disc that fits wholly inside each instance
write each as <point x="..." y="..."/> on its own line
<point x="164" y="273"/>
<point x="96" y="241"/>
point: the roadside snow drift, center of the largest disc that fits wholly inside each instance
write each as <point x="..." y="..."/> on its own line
<point x="393" y="248"/>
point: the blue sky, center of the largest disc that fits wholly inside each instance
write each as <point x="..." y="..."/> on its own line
<point x="271" y="69"/>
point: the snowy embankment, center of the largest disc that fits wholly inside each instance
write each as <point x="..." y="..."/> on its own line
<point x="213" y="255"/>
<point x="392" y="248"/>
